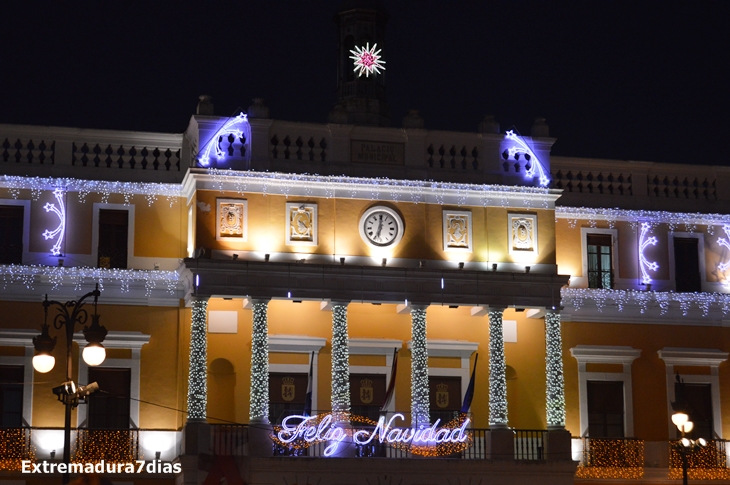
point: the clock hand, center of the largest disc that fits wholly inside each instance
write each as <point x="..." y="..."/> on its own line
<point x="380" y="227"/>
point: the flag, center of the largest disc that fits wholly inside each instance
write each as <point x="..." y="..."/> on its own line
<point x="308" y="397"/>
<point x="470" y="390"/>
<point x="391" y="384"/>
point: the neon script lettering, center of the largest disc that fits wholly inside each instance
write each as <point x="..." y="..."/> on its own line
<point x="385" y="432"/>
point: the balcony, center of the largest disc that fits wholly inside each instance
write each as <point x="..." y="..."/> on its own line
<point x="611" y="458"/>
<point x="708" y="463"/>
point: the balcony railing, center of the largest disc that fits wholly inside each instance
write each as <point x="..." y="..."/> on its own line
<point x="529" y="444"/>
<point x="706" y="463"/>
<point x="110" y="445"/>
<point x="611" y="458"/>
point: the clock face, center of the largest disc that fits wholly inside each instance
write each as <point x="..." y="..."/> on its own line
<point x="381" y="226"/>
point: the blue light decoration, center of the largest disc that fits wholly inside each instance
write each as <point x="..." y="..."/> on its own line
<point x="536" y="168"/>
<point x="238" y="127"/>
<point x="60" y="230"/>
<point x="644" y="263"/>
<point x="722" y="267"/>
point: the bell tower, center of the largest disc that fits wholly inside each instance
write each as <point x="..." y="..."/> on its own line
<point x="361" y="94"/>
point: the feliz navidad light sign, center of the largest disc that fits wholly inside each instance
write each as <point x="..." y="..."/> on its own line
<point x="318" y="429"/>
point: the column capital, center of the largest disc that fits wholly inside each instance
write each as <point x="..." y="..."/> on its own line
<point x="249" y="302"/>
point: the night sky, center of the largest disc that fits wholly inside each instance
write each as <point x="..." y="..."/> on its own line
<point x="635" y="80"/>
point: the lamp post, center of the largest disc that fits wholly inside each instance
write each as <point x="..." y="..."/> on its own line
<point x="680" y="418"/>
<point x="69" y="314"/>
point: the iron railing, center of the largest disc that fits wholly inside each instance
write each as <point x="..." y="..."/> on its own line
<point x="530" y="444"/>
<point x="15" y="447"/>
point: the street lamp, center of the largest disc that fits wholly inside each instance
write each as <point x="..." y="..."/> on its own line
<point x="69" y="314"/>
<point x="680" y="418"/>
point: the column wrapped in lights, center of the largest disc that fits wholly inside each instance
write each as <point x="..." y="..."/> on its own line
<point x="340" y="360"/>
<point x="198" y="371"/>
<point x="419" y="369"/>
<point x="555" y="392"/>
<point x="497" y="372"/>
<point x="259" y="405"/>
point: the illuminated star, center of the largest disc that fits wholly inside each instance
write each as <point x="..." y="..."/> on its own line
<point x="367" y="60"/>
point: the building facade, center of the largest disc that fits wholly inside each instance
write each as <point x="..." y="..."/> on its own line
<point x="238" y="290"/>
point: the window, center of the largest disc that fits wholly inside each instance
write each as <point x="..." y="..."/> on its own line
<point x="600" y="264"/>
<point x="11" y="396"/>
<point x="444" y="397"/>
<point x="11" y="234"/>
<point x="606" y="409"/>
<point x="367" y="394"/>
<point x="113" y="233"/>
<point x="109" y="406"/>
<point x="699" y="401"/>
<point x="687" y="265"/>
<point x="287" y="395"/>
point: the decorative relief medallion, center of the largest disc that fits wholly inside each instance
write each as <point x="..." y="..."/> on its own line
<point x="301" y="223"/>
<point x="457" y="231"/>
<point x="523" y="234"/>
<point x="231" y="220"/>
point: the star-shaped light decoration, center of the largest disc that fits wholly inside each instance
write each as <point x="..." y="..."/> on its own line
<point x="367" y="60"/>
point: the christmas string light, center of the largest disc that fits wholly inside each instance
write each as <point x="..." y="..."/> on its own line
<point x="16" y="183"/>
<point x="644" y="264"/>
<point x="419" y="369"/>
<point x="340" y="360"/>
<point x="79" y="276"/>
<point x="111" y="446"/>
<point x="612" y="459"/>
<point x="645" y="300"/>
<point x="555" y="392"/>
<point x="535" y="164"/>
<point x="15" y="447"/>
<point x="60" y="212"/>
<point x="497" y="372"/>
<point x="704" y="463"/>
<point x="673" y="219"/>
<point x="372" y="188"/>
<point x="259" y="405"/>
<point x="197" y="375"/>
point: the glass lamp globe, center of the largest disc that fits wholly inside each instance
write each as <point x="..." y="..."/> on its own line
<point x="687" y="427"/>
<point x="94" y="354"/>
<point x="43" y="362"/>
<point x="679" y="419"/>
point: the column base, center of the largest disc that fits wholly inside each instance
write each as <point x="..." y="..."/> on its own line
<point x="501" y="444"/>
<point x="259" y="438"/>
<point x="558" y="444"/>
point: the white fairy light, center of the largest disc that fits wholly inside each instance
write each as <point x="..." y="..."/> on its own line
<point x="60" y="212"/>
<point x="36" y="185"/>
<point x="497" y="371"/>
<point x="555" y="391"/>
<point x="419" y="369"/>
<point x="340" y="360"/>
<point x="672" y="219"/>
<point x="644" y="264"/>
<point x="198" y="371"/>
<point x="75" y="276"/>
<point x="367" y="60"/>
<point x="535" y="164"/>
<point x="576" y="298"/>
<point x="259" y="404"/>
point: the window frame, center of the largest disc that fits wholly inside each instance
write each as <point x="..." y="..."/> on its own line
<point x="21" y="338"/>
<point x="379" y="347"/>
<point x="700" y="255"/>
<point x="298" y="344"/>
<point x="98" y="206"/>
<point x="605" y="354"/>
<point x="582" y="281"/>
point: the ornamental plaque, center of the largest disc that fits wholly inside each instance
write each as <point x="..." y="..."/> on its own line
<point x="231" y="220"/>
<point x="523" y="234"/>
<point x="301" y="223"/>
<point x="457" y="231"/>
<point x="384" y="153"/>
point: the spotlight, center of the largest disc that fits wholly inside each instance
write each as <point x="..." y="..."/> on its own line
<point x="385" y="261"/>
<point x="461" y="265"/>
<point x="527" y="269"/>
<point x="422" y="263"/>
<point x="453" y="306"/>
<point x="494" y="266"/>
<point x="266" y="257"/>
<point x="157" y="455"/>
<point x="342" y="261"/>
<point x="84" y="391"/>
<point x="235" y="257"/>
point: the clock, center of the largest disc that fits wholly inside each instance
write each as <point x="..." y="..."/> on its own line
<point x="381" y="226"/>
